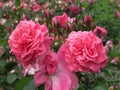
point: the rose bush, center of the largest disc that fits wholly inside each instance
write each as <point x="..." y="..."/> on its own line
<point x="54" y="44"/>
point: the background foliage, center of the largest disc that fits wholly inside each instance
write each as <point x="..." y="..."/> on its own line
<point x="102" y="13"/>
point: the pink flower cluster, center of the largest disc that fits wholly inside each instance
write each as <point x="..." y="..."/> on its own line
<point x="53" y="73"/>
<point x="30" y="42"/>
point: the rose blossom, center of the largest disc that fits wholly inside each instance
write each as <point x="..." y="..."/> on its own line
<point x="28" y="41"/>
<point x="83" y="51"/>
<point x="54" y="74"/>
<point x="23" y="5"/>
<point x="36" y="8"/>
<point x="99" y="31"/>
<point x="62" y="20"/>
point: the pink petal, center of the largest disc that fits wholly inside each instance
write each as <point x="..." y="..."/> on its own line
<point x="40" y="78"/>
<point x="61" y="82"/>
<point x="48" y="85"/>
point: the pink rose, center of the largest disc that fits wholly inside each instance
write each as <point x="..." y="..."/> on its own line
<point x="28" y="41"/>
<point x="23" y="5"/>
<point x="83" y="51"/>
<point x="36" y="8"/>
<point x="54" y="74"/>
<point x="99" y="31"/>
<point x="62" y="20"/>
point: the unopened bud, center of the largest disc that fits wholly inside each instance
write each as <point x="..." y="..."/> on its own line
<point x="69" y="26"/>
<point x="46" y="13"/>
<point x="87" y="19"/>
<point x="109" y="45"/>
<point x="117" y="14"/>
<point x="115" y="60"/>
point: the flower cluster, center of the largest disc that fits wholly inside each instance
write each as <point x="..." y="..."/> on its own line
<point x="31" y="43"/>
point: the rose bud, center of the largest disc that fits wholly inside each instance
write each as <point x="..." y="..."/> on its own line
<point x="100" y="32"/>
<point x="46" y="13"/>
<point x="109" y="45"/>
<point x="115" y="60"/>
<point x="87" y="19"/>
<point x="117" y="14"/>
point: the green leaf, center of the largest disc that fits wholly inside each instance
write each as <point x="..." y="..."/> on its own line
<point x="41" y="87"/>
<point x="100" y="88"/>
<point x="17" y="3"/>
<point x="1" y="12"/>
<point x="2" y="65"/>
<point x="11" y="78"/>
<point x="100" y="85"/>
<point x="22" y="83"/>
<point x="8" y="23"/>
<point x="30" y="86"/>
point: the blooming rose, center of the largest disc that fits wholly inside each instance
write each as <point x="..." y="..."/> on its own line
<point x="28" y="41"/>
<point x="83" y="51"/>
<point x="99" y="31"/>
<point x="36" y="8"/>
<point x="62" y="20"/>
<point x="54" y="74"/>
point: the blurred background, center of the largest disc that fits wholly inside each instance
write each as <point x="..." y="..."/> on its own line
<point x="88" y="14"/>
